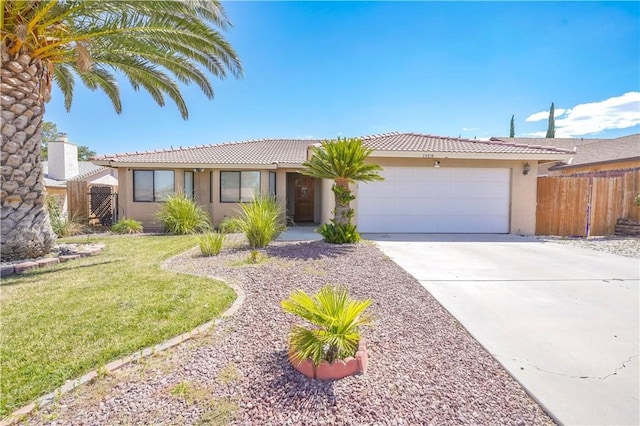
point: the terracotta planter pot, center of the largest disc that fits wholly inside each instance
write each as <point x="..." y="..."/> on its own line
<point x="338" y="369"/>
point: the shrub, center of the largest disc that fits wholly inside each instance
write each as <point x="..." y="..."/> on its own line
<point x="337" y="318"/>
<point x="181" y="216"/>
<point x="636" y="201"/>
<point x="211" y="243"/>
<point x="230" y="226"/>
<point x="64" y="226"/>
<point x="260" y="221"/>
<point x="339" y="234"/>
<point x="127" y="226"/>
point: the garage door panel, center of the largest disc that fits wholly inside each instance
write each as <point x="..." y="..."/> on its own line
<point x="448" y="200"/>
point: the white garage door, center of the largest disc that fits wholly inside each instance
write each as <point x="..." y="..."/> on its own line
<point x="435" y="200"/>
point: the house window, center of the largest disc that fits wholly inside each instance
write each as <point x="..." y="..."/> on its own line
<point x="272" y="183"/>
<point x="188" y="185"/>
<point x="152" y="185"/>
<point x="239" y="186"/>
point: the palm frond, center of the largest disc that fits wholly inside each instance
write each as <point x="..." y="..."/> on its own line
<point x="337" y="319"/>
<point x="156" y="42"/>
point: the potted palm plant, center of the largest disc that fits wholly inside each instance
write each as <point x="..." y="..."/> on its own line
<point x="333" y="348"/>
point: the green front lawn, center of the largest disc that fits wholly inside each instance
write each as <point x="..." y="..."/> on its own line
<point x="63" y="321"/>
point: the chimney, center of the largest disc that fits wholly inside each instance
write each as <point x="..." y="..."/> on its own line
<point x="63" y="158"/>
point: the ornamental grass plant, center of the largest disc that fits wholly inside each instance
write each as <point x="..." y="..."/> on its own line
<point x="182" y="216"/>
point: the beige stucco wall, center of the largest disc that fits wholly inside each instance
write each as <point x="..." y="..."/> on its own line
<point x="206" y="195"/>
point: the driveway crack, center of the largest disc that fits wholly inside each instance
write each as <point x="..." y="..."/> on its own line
<point x="615" y="372"/>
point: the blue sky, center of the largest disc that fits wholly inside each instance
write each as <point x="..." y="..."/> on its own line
<point x="328" y="69"/>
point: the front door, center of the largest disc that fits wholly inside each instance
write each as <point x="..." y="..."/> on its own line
<point x="303" y="200"/>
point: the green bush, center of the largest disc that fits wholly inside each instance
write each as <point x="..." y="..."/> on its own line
<point x="181" y="216"/>
<point x="337" y="319"/>
<point x="636" y="201"/>
<point x="127" y="226"/>
<point x="339" y="234"/>
<point x="260" y="221"/>
<point x="230" y="226"/>
<point x="64" y="226"/>
<point x="211" y="243"/>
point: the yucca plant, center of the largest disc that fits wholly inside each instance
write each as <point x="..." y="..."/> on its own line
<point x="337" y="319"/>
<point x="127" y="226"/>
<point x="211" y="243"/>
<point x="181" y="216"/>
<point x="261" y="221"/>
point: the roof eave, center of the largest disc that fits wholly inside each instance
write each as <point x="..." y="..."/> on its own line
<point x="594" y="163"/>
<point x="158" y="165"/>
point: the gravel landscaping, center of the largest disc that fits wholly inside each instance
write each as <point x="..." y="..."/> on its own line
<point x="623" y="246"/>
<point x="424" y="367"/>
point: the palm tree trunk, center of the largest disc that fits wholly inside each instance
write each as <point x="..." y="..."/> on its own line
<point x="341" y="215"/>
<point x="26" y="229"/>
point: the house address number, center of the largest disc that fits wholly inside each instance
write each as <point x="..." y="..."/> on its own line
<point x="427" y="156"/>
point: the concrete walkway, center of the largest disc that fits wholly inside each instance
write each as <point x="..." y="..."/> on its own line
<point x="563" y="321"/>
<point x="300" y="233"/>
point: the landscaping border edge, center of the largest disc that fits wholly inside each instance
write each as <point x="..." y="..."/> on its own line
<point x="70" y="385"/>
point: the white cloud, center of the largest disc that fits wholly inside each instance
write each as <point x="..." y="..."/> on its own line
<point x="618" y="112"/>
<point x="544" y="115"/>
<point x="470" y="129"/>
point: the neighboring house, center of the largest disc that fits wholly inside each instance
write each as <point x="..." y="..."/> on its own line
<point x="432" y="183"/>
<point x="63" y="166"/>
<point x="595" y="157"/>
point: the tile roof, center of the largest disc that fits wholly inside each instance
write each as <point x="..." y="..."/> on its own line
<point x="294" y="151"/>
<point x="590" y="151"/>
<point x="429" y="143"/>
<point x="262" y="151"/>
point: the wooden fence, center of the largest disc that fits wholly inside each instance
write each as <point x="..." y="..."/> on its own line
<point x="586" y="205"/>
<point x="78" y="200"/>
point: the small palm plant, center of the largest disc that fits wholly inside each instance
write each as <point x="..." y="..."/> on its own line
<point x="181" y="216"/>
<point x="344" y="161"/>
<point x="337" y="319"/>
<point x="261" y="221"/>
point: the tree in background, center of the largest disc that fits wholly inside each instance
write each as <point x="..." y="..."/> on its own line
<point x="551" y="129"/>
<point x="512" y="128"/>
<point x="50" y="133"/>
<point x="153" y="44"/>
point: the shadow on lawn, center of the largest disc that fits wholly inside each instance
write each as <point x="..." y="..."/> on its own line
<point x="294" y="390"/>
<point x="16" y="278"/>
<point x="304" y="250"/>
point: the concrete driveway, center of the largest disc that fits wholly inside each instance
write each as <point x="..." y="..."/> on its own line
<point x="563" y="321"/>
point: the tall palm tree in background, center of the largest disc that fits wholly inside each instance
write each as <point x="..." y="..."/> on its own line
<point x="153" y="44"/>
<point x="343" y="161"/>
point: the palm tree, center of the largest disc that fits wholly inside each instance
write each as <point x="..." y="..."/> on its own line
<point x="151" y="43"/>
<point x="342" y="160"/>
